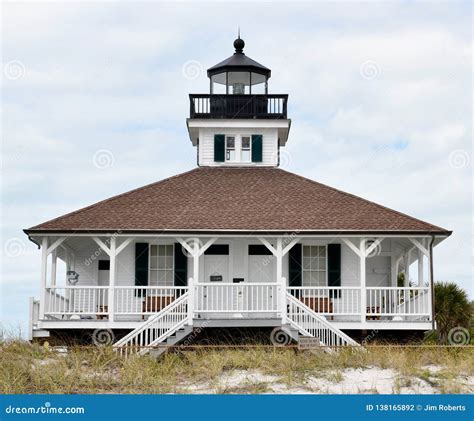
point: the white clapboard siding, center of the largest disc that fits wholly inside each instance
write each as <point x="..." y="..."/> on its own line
<point x="269" y="151"/>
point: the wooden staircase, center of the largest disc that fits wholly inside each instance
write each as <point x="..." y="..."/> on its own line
<point x="311" y="324"/>
<point x="169" y="325"/>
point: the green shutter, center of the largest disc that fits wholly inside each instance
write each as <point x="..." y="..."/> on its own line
<point x="219" y="147"/>
<point x="180" y="266"/>
<point x="141" y="265"/>
<point x="294" y="266"/>
<point x="257" y="154"/>
<point x="334" y="266"/>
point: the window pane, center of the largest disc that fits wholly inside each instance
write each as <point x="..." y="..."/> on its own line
<point x="246" y="142"/>
<point x="231" y="142"/>
<point x="246" y="155"/>
<point x="161" y="250"/>
<point x="306" y="251"/>
<point x="153" y="250"/>
<point x="231" y="155"/>
<point x="306" y="279"/>
<point x="153" y="262"/>
<point x="161" y="262"/>
<point x="153" y="278"/>
<point x="161" y="277"/>
<point x="169" y="278"/>
<point x="322" y="251"/>
<point x="322" y="263"/>
<point x="169" y="262"/>
<point x="306" y="263"/>
<point x="169" y="250"/>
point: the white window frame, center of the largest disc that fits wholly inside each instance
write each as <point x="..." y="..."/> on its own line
<point x="236" y="150"/>
<point x="150" y="269"/>
<point x="309" y="270"/>
<point x="249" y="149"/>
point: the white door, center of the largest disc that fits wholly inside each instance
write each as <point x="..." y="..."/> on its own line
<point x="103" y="280"/>
<point x="262" y="270"/>
<point x="216" y="266"/>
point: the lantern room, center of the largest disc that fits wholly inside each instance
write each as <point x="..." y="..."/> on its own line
<point x="239" y="74"/>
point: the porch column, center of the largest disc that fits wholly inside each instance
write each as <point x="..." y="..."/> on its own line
<point x="112" y="276"/>
<point x="420" y="268"/>
<point x="192" y="281"/>
<point x="54" y="265"/>
<point x="44" y="274"/>
<point x="363" y="280"/>
<point x="393" y="270"/>
<point x="407" y="268"/>
<point x="281" y="282"/>
<point x="194" y="248"/>
<point x="431" y="299"/>
<point x="279" y="252"/>
<point x="425" y="248"/>
<point x="112" y="251"/>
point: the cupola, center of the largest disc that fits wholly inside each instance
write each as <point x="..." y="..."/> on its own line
<point x="238" y="123"/>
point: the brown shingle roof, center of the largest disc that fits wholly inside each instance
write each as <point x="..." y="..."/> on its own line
<point x="236" y="199"/>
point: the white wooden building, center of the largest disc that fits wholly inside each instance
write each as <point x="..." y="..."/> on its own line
<point x="236" y="241"/>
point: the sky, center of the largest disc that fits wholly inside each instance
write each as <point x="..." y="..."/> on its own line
<point x="95" y="96"/>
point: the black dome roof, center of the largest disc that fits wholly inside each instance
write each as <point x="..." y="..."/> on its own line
<point x="239" y="62"/>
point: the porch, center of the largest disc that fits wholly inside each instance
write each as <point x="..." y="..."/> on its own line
<point x="235" y="280"/>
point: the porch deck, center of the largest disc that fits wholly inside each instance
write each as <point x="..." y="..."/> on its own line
<point x="228" y="304"/>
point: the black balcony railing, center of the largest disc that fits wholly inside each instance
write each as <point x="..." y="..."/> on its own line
<point x="238" y="106"/>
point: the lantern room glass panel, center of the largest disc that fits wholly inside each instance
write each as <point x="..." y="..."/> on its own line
<point x="238" y="83"/>
<point x="259" y="84"/>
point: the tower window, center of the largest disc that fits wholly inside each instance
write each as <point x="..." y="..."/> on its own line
<point x="246" y="152"/>
<point x="230" y="148"/>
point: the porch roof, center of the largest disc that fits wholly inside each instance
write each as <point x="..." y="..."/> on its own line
<point x="249" y="200"/>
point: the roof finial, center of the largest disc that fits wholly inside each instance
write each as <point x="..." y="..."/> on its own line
<point x="239" y="43"/>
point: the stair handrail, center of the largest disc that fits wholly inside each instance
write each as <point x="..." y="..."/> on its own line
<point x="320" y="319"/>
<point x="151" y="320"/>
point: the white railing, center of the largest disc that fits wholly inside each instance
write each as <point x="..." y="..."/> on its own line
<point x="309" y="323"/>
<point x="156" y="329"/>
<point x="397" y="301"/>
<point x="145" y="300"/>
<point x="340" y="301"/>
<point x="236" y="298"/>
<point x="411" y="303"/>
<point x="75" y="300"/>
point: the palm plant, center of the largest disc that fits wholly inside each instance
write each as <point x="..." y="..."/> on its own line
<point x="452" y="308"/>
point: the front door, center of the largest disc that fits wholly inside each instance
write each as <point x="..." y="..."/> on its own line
<point x="261" y="270"/>
<point x="103" y="280"/>
<point x="216" y="273"/>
